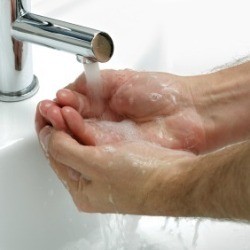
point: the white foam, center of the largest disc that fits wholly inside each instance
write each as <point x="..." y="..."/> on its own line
<point x="109" y="149"/>
<point x="125" y="129"/>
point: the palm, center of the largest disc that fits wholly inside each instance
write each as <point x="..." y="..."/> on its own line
<point x="147" y="106"/>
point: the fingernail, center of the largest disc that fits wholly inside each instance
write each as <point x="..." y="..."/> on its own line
<point x="40" y="107"/>
<point x="44" y="137"/>
<point x="64" y="93"/>
<point x="43" y="107"/>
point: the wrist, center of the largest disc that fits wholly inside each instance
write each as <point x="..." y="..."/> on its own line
<point x="222" y="99"/>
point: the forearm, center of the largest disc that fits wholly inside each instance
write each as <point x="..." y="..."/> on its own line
<point x="223" y="189"/>
<point x="223" y="100"/>
<point x="216" y="185"/>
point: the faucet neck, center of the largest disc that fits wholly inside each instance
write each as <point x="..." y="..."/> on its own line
<point x="20" y="10"/>
<point x="19" y="28"/>
<point x="16" y="74"/>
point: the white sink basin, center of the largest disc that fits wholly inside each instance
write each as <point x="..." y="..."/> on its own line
<point x="182" y="37"/>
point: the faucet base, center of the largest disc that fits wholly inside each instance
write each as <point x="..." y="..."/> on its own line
<point x="21" y="94"/>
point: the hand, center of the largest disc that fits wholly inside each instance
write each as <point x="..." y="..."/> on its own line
<point x="126" y="177"/>
<point x="156" y="107"/>
<point x="174" y="182"/>
<point x="198" y="113"/>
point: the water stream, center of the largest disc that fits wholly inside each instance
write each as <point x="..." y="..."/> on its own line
<point x="113" y="226"/>
<point x="94" y="84"/>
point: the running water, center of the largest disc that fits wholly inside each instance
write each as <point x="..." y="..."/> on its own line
<point x="112" y="226"/>
<point x="196" y="233"/>
<point x="93" y="75"/>
<point x="94" y="84"/>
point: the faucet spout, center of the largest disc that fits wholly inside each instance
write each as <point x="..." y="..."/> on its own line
<point x="22" y="27"/>
<point x="92" y="44"/>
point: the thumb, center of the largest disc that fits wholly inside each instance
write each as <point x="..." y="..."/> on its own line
<point x="65" y="150"/>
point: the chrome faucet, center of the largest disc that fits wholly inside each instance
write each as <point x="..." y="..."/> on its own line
<point x="19" y="27"/>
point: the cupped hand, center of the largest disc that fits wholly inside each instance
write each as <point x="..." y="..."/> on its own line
<point x="125" y="177"/>
<point x="156" y="107"/>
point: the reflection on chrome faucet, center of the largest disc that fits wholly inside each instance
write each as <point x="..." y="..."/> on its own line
<point x="19" y="27"/>
<point x="17" y="45"/>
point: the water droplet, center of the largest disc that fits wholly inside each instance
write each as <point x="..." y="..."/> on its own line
<point x="196" y="232"/>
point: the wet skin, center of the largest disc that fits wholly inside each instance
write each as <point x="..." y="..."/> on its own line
<point x="153" y="107"/>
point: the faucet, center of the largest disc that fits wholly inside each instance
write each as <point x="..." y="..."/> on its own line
<point x="19" y="28"/>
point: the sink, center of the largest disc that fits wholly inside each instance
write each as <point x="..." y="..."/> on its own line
<point x="36" y="212"/>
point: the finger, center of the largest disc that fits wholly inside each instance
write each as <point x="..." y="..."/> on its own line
<point x="111" y="80"/>
<point x="67" y="151"/>
<point x="40" y="121"/>
<point x="79" y="102"/>
<point x="76" y="95"/>
<point x="79" y="85"/>
<point x="90" y="132"/>
<point x="111" y="77"/>
<point x="52" y="113"/>
<point x="44" y="106"/>
<point x="81" y="130"/>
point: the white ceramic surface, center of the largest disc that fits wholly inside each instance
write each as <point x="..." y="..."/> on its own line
<point x="178" y="36"/>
